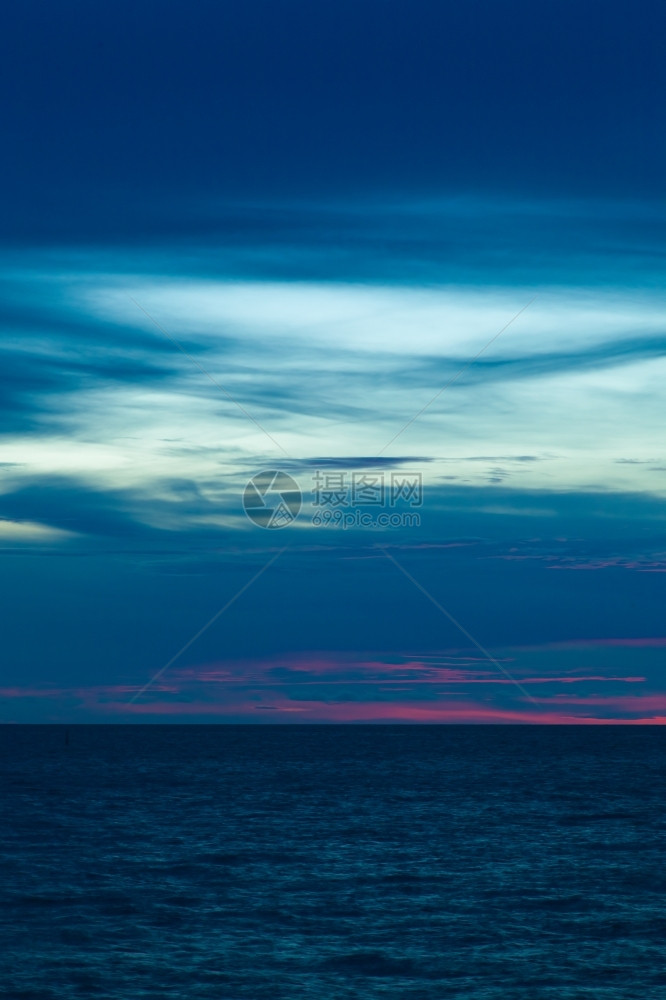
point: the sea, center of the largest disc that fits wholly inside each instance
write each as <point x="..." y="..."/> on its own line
<point x="333" y="861"/>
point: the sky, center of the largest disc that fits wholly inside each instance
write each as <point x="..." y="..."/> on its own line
<point x="358" y="245"/>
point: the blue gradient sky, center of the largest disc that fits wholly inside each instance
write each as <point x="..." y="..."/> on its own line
<point x="332" y="209"/>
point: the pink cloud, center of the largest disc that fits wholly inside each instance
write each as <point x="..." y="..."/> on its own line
<point x="411" y="712"/>
<point x="374" y="672"/>
<point x="17" y="692"/>
<point x="654" y="642"/>
<point x="620" y="703"/>
<point x="273" y="706"/>
<point x="268" y="688"/>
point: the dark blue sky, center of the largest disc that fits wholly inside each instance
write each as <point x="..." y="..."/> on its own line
<point x="332" y="209"/>
<point x="121" y="117"/>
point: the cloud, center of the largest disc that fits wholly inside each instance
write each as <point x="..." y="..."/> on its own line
<point x="632" y="642"/>
<point x="343" y="367"/>
<point x="112" y="704"/>
<point x="356" y="462"/>
<point x="63" y="358"/>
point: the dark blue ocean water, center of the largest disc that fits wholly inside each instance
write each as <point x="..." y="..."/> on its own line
<point x="333" y="862"/>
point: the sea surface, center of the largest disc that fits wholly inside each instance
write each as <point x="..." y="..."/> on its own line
<point x="333" y="862"/>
